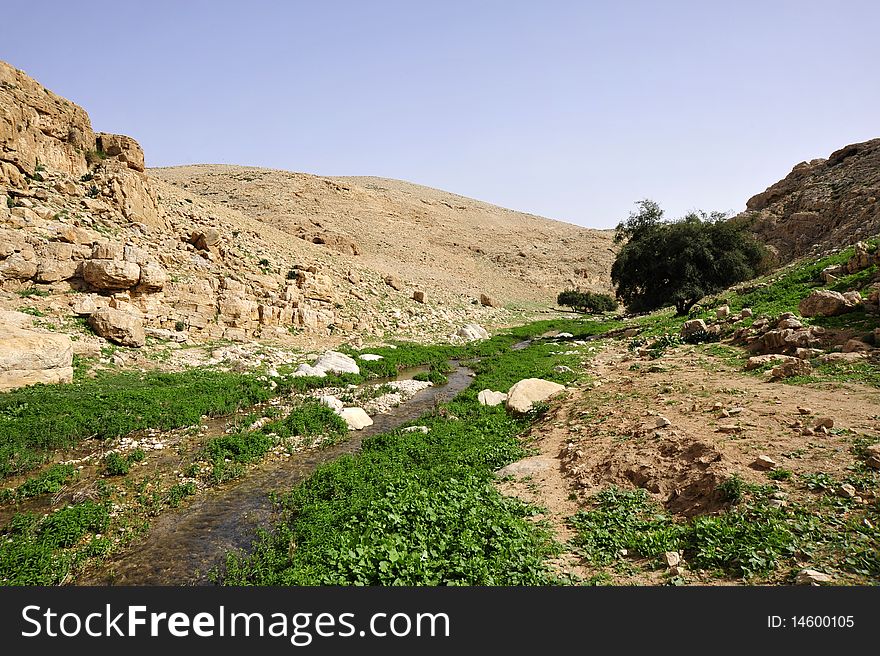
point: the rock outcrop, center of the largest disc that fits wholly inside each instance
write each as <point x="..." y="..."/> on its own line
<point x="824" y="202"/>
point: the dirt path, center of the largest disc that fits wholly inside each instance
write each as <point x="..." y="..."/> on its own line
<point x="678" y="427"/>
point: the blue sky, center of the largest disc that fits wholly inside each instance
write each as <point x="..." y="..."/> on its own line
<point x="571" y="110"/>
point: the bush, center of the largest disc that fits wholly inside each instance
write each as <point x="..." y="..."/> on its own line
<point x="678" y="263"/>
<point x="587" y="302"/>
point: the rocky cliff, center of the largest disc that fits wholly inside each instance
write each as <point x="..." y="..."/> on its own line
<point x="823" y="203"/>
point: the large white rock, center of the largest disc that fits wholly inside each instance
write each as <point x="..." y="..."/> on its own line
<point x="356" y="418"/>
<point x="333" y="362"/>
<point x="370" y="357"/>
<point x="332" y="402"/>
<point x="28" y="357"/>
<point x="524" y="394"/>
<point x="490" y="398"/>
<point x="471" y="332"/>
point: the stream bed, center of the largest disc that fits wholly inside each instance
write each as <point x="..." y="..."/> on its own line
<point x="182" y="546"/>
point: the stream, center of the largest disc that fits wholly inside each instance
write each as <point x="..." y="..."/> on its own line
<point x="182" y="546"/>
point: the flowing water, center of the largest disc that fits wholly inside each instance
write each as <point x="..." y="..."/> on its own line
<point x="181" y="547"/>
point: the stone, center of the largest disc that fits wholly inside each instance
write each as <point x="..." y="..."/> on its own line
<point x="757" y="361"/>
<point x="672" y="558"/>
<point x="119" y="327"/>
<point x="370" y="357"/>
<point x="356" y="418"/>
<point x="764" y="462"/>
<point x="111" y="274"/>
<point x="394" y="282"/>
<point x="333" y="362"/>
<point x="16" y="267"/>
<point x="418" y="296"/>
<point x="804" y="410"/>
<point x="490" y="398"/>
<point x="812" y="577"/>
<point x="722" y="312"/>
<point x="488" y="301"/>
<point x="729" y="428"/>
<point x="856" y="345"/>
<point x="745" y="313"/>
<point x="661" y="422"/>
<point x="824" y="303"/>
<point x="790" y="368"/>
<point x="693" y="327"/>
<point x="332" y="402"/>
<point x="205" y="239"/>
<point x="472" y="332"/>
<point x="28" y="357"/>
<point x="107" y="250"/>
<point x="152" y="278"/>
<point x="827" y="422"/>
<point x="524" y="394"/>
<point x="527" y="467"/>
<point x="847" y="491"/>
<point x="416" y="429"/>
<point x="872" y="456"/>
<point x="85" y="304"/>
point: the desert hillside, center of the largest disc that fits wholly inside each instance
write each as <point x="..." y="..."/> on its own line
<point x="829" y="203"/>
<point x="433" y="238"/>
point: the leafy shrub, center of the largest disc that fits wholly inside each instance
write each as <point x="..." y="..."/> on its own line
<point x="587" y="302"/>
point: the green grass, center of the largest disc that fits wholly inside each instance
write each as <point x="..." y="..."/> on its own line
<point x="421" y="509"/>
<point x="49" y="481"/>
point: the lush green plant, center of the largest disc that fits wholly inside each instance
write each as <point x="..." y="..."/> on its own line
<point x="116" y="464"/>
<point x="49" y="481"/>
<point x="587" y="302"/>
<point x="179" y="492"/>
<point x="678" y="263"/>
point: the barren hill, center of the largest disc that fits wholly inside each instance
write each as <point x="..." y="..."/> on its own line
<point x="827" y="203"/>
<point x="432" y="238"/>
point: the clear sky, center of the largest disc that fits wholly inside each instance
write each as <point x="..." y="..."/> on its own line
<point x="572" y="110"/>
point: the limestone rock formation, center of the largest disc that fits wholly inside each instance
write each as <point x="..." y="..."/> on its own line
<point x="824" y="202"/>
<point x="28" y="357"/>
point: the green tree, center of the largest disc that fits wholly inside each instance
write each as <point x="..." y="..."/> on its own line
<point x="677" y="263"/>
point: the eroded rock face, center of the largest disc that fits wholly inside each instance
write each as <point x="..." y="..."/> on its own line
<point x="526" y="393"/>
<point x="28" y="357"/>
<point x="38" y="127"/>
<point x="111" y="274"/>
<point x="123" y="148"/>
<point x="121" y="327"/>
<point x="824" y="202"/>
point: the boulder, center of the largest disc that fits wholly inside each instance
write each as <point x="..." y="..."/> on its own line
<point x="333" y="362"/>
<point x="355" y="418"/>
<point x="472" y="332"/>
<point x="28" y="357"/>
<point x="812" y="577"/>
<point x="527" y="467"/>
<point x="872" y="456"/>
<point x="418" y="296"/>
<point x="824" y="303"/>
<point x="123" y="148"/>
<point x="118" y="326"/>
<point x="205" y="239"/>
<point x="488" y="301"/>
<point x="693" y="327"/>
<point x="854" y="345"/>
<point x="394" y="282"/>
<point x="745" y="313"/>
<point x="722" y="312"/>
<point x="524" y="394"/>
<point x="153" y="277"/>
<point x="370" y="357"/>
<point x="490" y="398"/>
<point x="332" y="402"/>
<point x="111" y="274"/>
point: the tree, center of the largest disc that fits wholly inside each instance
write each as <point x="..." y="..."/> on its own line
<point x="677" y="263"/>
<point x="589" y="302"/>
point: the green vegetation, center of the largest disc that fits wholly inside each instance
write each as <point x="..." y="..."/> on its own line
<point x="587" y="302"/>
<point x="42" y="550"/>
<point x="421" y="509"/>
<point x="679" y="263"/>
<point x="49" y="481"/>
<point x="119" y="465"/>
<point x="32" y="291"/>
